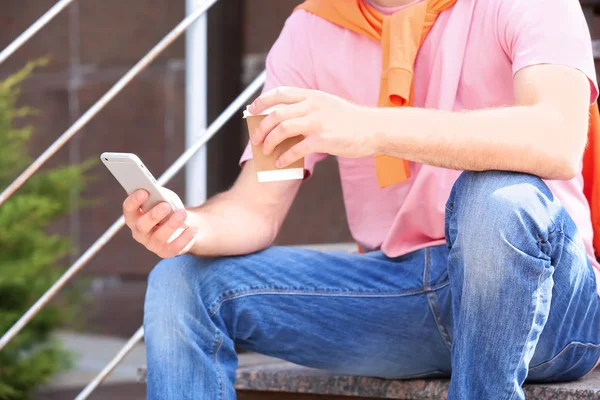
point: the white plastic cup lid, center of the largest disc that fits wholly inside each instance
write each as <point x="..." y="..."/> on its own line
<point x="249" y="114"/>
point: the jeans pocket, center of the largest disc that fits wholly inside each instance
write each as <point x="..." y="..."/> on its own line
<point x="573" y="362"/>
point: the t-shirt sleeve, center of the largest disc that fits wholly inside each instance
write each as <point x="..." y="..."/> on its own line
<point x="289" y="63"/>
<point x="536" y="32"/>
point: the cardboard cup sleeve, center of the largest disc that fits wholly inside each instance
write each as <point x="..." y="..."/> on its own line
<point x="266" y="170"/>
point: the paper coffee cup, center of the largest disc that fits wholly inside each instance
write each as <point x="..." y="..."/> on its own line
<point x="265" y="165"/>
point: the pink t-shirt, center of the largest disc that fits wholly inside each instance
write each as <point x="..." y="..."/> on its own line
<point x="505" y="36"/>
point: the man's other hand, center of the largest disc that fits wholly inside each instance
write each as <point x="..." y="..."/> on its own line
<point x="328" y="123"/>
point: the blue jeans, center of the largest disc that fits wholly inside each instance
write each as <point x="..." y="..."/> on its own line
<point x="511" y="297"/>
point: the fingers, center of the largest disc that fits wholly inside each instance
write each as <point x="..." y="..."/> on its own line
<point x="162" y="234"/>
<point x="278" y="116"/>
<point x="282" y="117"/>
<point x="147" y="229"/>
<point x="182" y="244"/>
<point x="296" y="152"/>
<point x="132" y="205"/>
<point x="153" y="217"/>
<point x="280" y="95"/>
<point x="285" y="130"/>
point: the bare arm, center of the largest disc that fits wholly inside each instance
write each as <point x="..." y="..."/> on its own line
<point x="242" y="220"/>
<point x="543" y="134"/>
<point x="247" y="217"/>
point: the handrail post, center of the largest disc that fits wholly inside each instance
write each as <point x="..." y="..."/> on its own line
<point x="195" y="104"/>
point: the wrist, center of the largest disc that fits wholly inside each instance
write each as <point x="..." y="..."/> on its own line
<point x="378" y="129"/>
<point x="195" y="221"/>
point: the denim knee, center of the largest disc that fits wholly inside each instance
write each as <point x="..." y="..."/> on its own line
<point x="175" y="298"/>
<point x="170" y="293"/>
<point x="492" y="217"/>
<point x="494" y="205"/>
<point x="188" y="287"/>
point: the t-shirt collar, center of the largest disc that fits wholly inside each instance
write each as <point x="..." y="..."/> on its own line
<point x="391" y="10"/>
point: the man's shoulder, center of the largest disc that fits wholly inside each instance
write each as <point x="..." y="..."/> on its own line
<point x="314" y="34"/>
<point x="303" y="22"/>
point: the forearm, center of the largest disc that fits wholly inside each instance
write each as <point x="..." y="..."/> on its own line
<point x="543" y="134"/>
<point x="530" y="139"/>
<point x="244" y="219"/>
<point x="228" y="226"/>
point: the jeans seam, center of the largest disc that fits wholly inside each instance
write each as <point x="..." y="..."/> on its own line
<point x="218" y="344"/>
<point x="216" y="305"/>
<point x="595" y="364"/>
<point x="447" y="218"/>
<point x="527" y="336"/>
<point x="555" y="358"/>
<point x="426" y="270"/>
<point x="437" y="316"/>
<point x="432" y="300"/>
<point x="564" y="235"/>
<point x="567" y="237"/>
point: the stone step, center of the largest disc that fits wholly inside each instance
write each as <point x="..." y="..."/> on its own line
<point x="265" y="374"/>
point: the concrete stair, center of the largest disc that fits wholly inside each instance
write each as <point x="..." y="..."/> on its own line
<point x="262" y="375"/>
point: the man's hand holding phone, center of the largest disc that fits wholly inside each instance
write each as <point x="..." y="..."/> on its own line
<point x="153" y="229"/>
<point x="228" y="224"/>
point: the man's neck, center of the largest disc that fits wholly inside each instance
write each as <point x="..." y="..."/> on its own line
<point x="392" y="3"/>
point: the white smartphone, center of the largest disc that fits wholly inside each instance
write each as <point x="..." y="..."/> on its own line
<point x="133" y="175"/>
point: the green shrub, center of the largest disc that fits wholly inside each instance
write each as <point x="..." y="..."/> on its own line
<point x="30" y="257"/>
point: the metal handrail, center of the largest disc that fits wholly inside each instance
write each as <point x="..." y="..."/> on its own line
<point x="33" y="29"/>
<point x="240" y="101"/>
<point x="104" y="100"/>
<point x="135" y="339"/>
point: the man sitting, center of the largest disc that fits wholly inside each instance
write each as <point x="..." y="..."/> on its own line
<point x="486" y="275"/>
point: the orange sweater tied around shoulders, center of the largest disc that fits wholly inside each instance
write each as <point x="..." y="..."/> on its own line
<point x="401" y="35"/>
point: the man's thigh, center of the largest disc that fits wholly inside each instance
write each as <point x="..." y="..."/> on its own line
<point x="348" y="313"/>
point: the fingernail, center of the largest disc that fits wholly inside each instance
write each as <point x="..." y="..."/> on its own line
<point x="141" y="195"/>
<point x="278" y="164"/>
<point x="255" y="139"/>
<point x="165" y="207"/>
